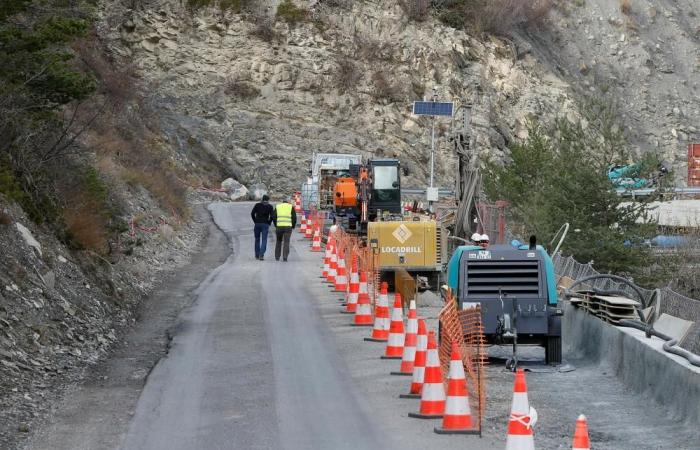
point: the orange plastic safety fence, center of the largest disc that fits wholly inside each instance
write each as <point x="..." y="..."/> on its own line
<point x="466" y="329"/>
<point x="367" y="260"/>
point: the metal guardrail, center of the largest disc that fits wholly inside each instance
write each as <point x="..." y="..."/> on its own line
<point x="644" y="192"/>
<point x="670" y="302"/>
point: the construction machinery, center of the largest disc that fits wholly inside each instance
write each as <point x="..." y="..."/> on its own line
<point x="369" y="192"/>
<point x="414" y="245"/>
<point x="630" y="176"/>
<point x="326" y="168"/>
<point x="515" y="286"/>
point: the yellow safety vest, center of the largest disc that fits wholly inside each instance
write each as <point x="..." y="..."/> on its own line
<point x="284" y="215"/>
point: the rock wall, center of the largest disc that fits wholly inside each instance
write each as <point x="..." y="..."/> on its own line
<point x="264" y="107"/>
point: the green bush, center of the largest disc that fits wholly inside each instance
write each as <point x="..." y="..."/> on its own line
<point x="291" y="13"/>
<point x="559" y="174"/>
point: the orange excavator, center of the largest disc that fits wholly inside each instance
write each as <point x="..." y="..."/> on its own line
<point x="371" y="189"/>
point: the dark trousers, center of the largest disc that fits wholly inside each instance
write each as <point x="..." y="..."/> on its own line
<point x="260" y="232"/>
<point x="282" y="244"/>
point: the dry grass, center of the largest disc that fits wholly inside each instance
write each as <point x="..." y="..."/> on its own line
<point x="5" y="218"/>
<point x="85" y="227"/>
<point x="626" y="7"/>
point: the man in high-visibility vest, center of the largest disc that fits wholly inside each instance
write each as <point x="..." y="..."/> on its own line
<point x="285" y="220"/>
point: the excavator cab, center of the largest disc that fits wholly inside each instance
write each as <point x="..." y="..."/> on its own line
<point x="385" y="192"/>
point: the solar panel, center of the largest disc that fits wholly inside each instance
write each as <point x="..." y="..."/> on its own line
<point x="433" y="108"/>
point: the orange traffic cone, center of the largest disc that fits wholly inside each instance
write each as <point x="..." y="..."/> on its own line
<point x="458" y="417"/>
<point x="341" y="277"/>
<point x="316" y="243"/>
<point x="409" y="343"/>
<point x="333" y="267"/>
<point x="297" y="203"/>
<point x="302" y="229"/>
<point x="432" y="399"/>
<point x="353" y="289"/>
<point x="363" y="314"/>
<point x="309" y="232"/>
<point x="419" y="363"/>
<point x="581" y="441"/>
<point x="522" y="417"/>
<point x="380" y="332"/>
<point x="394" y="345"/>
<point x="327" y="258"/>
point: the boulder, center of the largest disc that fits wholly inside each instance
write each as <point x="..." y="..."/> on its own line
<point x="234" y="189"/>
<point x="28" y="237"/>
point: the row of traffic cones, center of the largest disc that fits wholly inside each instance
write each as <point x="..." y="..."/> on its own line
<point x="416" y="347"/>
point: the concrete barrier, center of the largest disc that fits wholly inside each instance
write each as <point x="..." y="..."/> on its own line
<point x="641" y="362"/>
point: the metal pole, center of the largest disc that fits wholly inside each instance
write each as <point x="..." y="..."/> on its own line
<point x="432" y="154"/>
<point x="432" y="151"/>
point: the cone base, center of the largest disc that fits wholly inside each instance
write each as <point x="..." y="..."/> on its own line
<point x="369" y="339"/>
<point x="347" y="312"/>
<point x="405" y="374"/>
<point x="390" y="357"/>
<point x="361" y="324"/>
<point x="410" y="396"/>
<point x="440" y="430"/>
<point x="425" y="416"/>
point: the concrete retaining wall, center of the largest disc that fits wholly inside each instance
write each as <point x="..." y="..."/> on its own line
<point x="643" y="365"/>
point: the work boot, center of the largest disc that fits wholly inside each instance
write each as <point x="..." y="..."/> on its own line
<point x="285" y="259"/>
<point x="262" y="258"/>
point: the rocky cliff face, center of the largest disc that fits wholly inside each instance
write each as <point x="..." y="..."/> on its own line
<point x="263" y="99"/>
<point x="643" y="54"/>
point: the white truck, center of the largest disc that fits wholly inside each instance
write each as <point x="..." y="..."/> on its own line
<point x="317" y="191"/>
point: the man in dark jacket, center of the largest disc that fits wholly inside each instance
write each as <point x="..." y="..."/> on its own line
<point x="285" y="220"/>
<point x="262" y="218"/>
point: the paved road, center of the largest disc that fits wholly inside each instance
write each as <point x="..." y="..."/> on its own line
<point x="262" y="359"/>
<point x="250" y="365"/>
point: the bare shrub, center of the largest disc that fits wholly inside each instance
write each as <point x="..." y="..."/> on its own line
<point x="264" y="29"/>
<point x="345" y="4"/>
<point x="240" y="89"/>
<point x="386" y="89"/>
<point x="117" y="83"/>
<point x="626" y="7"/>
<point x="290" y="13"/>
<point x="347" y="76"/>
<point x="416" y="10"/>
<point x="373" y="49"/>
<point x="496" y="16"/>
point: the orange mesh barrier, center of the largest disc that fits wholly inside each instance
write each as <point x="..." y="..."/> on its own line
<point x="466" y="329"/>
<point x="367" y="260"/>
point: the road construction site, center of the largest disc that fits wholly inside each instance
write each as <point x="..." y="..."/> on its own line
<point x="263" y="357"/>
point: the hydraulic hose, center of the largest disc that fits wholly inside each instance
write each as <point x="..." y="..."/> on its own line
<point x="670" y="344"/>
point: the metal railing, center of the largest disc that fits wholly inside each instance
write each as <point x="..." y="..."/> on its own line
<point x="669" y="301"/>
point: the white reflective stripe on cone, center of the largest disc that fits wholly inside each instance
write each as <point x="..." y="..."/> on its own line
<point x="433" y="392"/>
<point x="520" y="442"/>
<point x="418" y="374"/>
<point x="520" y="404"/>
<point x="457" y="405"/>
